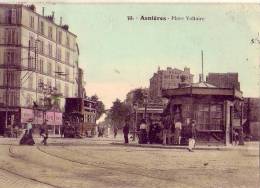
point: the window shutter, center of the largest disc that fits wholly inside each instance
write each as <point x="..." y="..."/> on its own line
<point x="13" y="18"/>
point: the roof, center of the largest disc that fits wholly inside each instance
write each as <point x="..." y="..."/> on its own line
<point x="202" y="85"/>
<point x="202" y="89"/>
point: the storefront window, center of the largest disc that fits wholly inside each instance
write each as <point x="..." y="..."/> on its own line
<point x="209" y="116"/>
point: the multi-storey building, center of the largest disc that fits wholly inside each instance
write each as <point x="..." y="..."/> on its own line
<point x="224" y="80"/>
<point x="35" y="53"/>
<point x="168" y="79"/>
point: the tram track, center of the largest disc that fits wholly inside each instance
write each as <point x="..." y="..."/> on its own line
<point x="13" y="155"/>
<point x="110" y="161"/>
<point x="102" y="166"/>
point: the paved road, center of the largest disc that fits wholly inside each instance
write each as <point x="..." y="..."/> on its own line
<point x="96" y="163"/>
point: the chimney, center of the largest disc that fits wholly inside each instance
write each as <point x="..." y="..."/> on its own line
<point x="43" y="11"/>
<point x="60" y="21"/>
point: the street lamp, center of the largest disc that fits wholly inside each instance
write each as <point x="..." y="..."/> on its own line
<point x="135" y="123"/>
<point x="145" y="105"/>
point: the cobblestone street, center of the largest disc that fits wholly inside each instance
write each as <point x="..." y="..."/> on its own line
<point x="97" y="163"/>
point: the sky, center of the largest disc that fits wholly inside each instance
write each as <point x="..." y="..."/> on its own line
<point x="118" y="54"/>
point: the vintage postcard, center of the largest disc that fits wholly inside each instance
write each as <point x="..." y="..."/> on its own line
<point x="129" y="94"/>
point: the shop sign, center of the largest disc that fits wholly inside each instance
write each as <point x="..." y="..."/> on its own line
<point x="58" y="118"/>
<point x="50" y="118"/>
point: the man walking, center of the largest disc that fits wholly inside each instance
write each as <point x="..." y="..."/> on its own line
<point x="177" y="132"/>
<point x="192" y="136"/>
<point x="115" y="131"/>
<point x="45" y="137"/>
<point x="126" y="131"/>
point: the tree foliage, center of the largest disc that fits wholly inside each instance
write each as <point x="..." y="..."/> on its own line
<point x="119" y="112"/>
<point x="100" y="107"/>
<point x="138" y="96"/>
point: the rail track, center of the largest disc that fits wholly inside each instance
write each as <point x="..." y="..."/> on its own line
<point x="115" y="169"/>
<point x="20" y="175"/>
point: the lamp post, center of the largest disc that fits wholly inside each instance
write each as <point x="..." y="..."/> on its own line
<point x="145" y="106"/>
<point x="135" y="121"/>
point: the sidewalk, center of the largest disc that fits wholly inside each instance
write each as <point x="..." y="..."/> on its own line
<point x="247" y="146"/>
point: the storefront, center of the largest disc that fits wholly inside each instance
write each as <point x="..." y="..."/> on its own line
<point x="216" y="111"/>
<point x="53" y="119"/>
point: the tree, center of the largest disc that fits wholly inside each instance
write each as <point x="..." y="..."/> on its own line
<point x="100" y="107"/>
<point x="138" y="97"/>
<point x="119" y="112"/>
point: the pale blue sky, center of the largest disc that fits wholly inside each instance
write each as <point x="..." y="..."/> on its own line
<point x="109" y="42"/>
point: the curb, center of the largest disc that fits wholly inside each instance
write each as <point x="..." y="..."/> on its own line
<point x="174" y="147"/>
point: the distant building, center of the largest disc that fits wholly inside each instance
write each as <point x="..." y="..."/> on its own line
<point x="252" y="113"/>
<point x="224" y="80"/>
<point x="168" y="79"/>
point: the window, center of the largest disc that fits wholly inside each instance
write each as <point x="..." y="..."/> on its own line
<point x="28" y="100"/>
<point x="58" y="53"/>
<point x="40" y="66"/>
<point x="10" y="16"/>
<point x="50" y="49"/>
<point x="13" y="98"/>
<point x="11" y="79"/>
<point x="50" y="32"/>
<point x="216" y="114"/>
<point x="49" y="69"/>
<point x="32" y="22"/>
<point x="58" y="71"/>
<point x="41" y="50"/>
<point x="10" y="57"/>
<point x="13" y="19"/>
<point x="31" y="63"/>
<point x="209" y="116"/>
<point x="67" y="58"/>
<point x="30" y="82"/>
<point x="67" y="40"/>
<point x="42" y="27"/>
<point x="32" y="42"/>
<point x="11" y="36"/>
<point x="66" y="90"/>
<point x="40" y="84"/>
<point x="67" y="72"/>
<point x="60" y="37"/>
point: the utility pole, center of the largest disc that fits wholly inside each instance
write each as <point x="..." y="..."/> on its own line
<point x="202" y="71"/>
<point x="7" y="92"/>
<point x="36" y="67"/>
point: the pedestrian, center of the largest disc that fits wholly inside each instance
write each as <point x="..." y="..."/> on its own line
<point x="143" y="132"/>
<point x="115" y="131"/>
<point x="16" y="130"/>
<point x="193" y="135"/>
<point x="24" y="137"/>
<point x="30" y="140"/>
<point x="29" y="125"/>
<point x="62" y="128"/>
<point x="126" y="131"/>
<point x="235" y="136"/>
<point x="177" y="132"/>
<point x="45" y="137"/>
<point x="152" y="133"/>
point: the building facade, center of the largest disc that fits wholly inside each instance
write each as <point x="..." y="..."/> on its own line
<point x="168" y="79"/>
<point x="224" y="80"/>
<point x="37" y="57"/>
